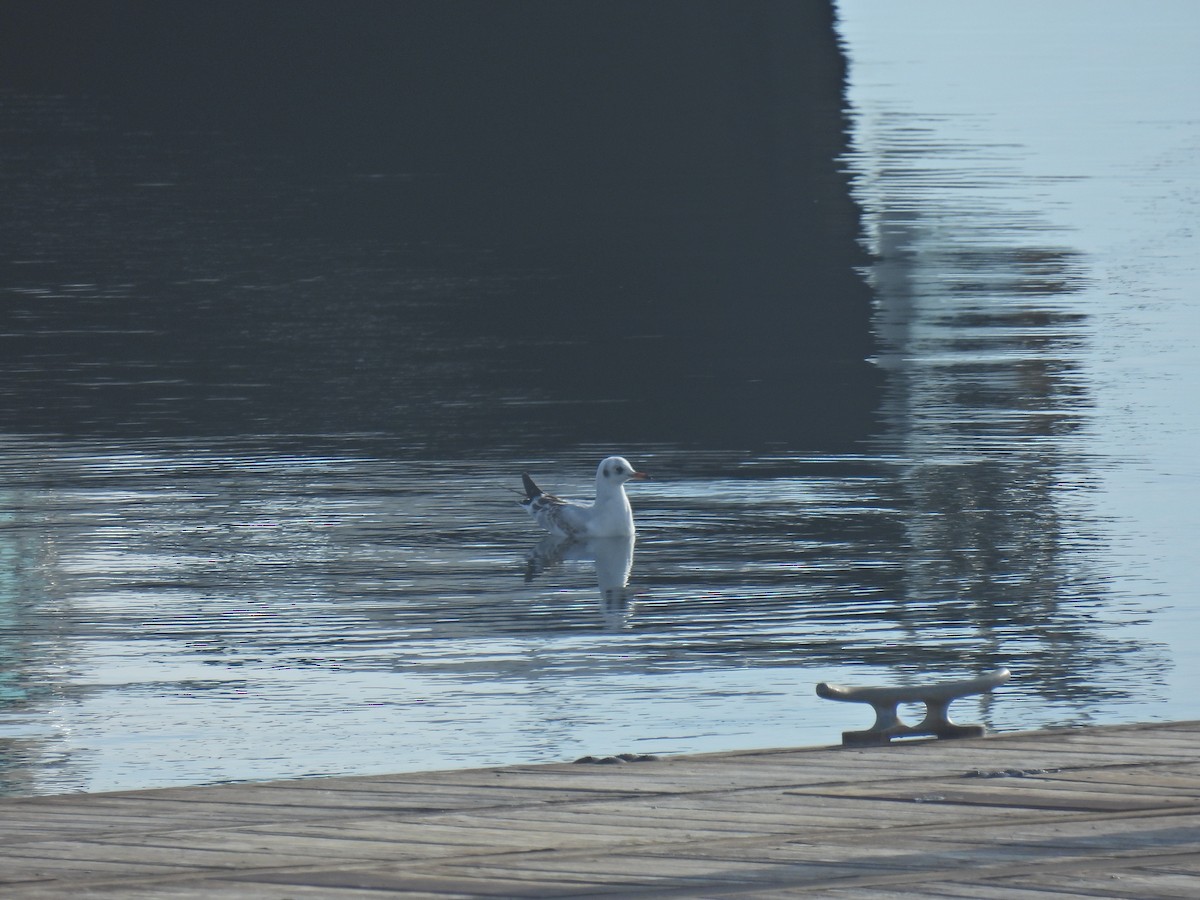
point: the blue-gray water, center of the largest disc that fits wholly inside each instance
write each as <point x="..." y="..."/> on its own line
<point x="219" y="564"/>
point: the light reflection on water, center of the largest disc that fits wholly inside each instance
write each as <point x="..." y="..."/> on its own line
<point x="198" y="615"/>
<point x="188" y="609"/>
<point x="998" y="219"/>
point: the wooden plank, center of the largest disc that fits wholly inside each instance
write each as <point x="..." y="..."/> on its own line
<point x="435" y="792"/>
<point x="665" y="871"/>
<point x="402" y="880"/>
<point x="292" y="847"/>
<point x="16" y="869"/>
<point x="1171" y="779"/>
<point x="769" y="812"/>
<point x="901" y="821"/>
<point x="217" y="889"/>
<point x="1001" y="889"/>
<point x="279" y="797"/>
<point x="1111" y="835"/>
<point x="1026" y="793"/>
<point x="436" y="837"/>
<point x="1119" y="885"/>
<point x="139" y="855"/>
<point x="1147" y="782"/>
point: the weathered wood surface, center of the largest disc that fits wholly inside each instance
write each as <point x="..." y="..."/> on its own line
<point x="1097" y="812"/>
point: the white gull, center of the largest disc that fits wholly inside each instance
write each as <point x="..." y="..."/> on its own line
<point x="609" y="515"/>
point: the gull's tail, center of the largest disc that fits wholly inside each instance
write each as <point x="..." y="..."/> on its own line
<point x="532" y="491"/>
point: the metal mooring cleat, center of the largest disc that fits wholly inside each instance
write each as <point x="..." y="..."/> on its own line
<point x="936" y="697"/>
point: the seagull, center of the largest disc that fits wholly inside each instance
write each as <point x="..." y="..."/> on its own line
<point x="608" y="516"/>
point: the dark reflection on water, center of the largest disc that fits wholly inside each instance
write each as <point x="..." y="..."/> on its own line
<point x="181" y="282"/>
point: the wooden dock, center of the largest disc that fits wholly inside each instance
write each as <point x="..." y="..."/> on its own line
<point x="1095" y="812"/>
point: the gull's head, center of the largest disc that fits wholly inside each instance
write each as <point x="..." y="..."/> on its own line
<point x="616" y="470"/>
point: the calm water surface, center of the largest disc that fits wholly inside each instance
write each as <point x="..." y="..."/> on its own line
<point x="313" y="596"/>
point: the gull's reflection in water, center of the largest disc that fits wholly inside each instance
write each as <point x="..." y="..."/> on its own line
<point x="613" y="557"/>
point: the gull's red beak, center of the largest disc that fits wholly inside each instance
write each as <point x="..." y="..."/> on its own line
<point x="639" y="476"/>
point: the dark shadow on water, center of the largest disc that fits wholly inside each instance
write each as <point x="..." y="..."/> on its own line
<point x="454" y="224"/>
